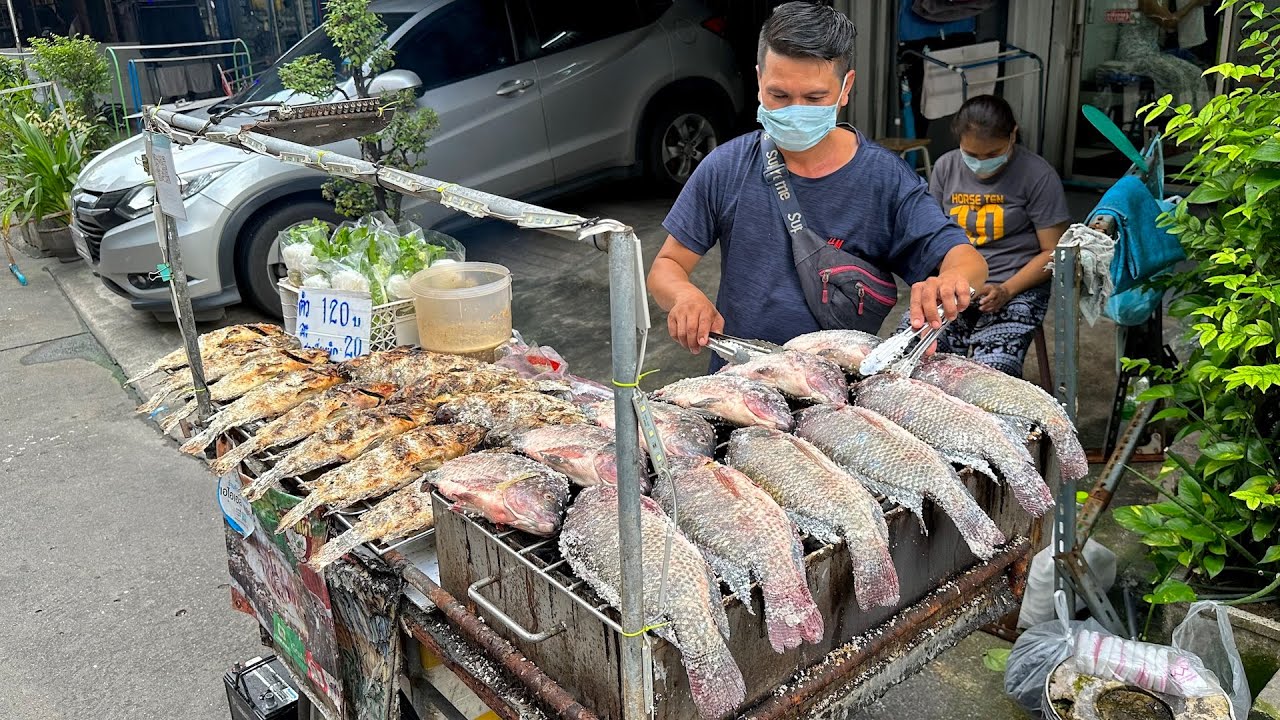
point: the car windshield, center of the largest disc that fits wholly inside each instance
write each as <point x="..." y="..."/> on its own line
<point x="267" y="86"/>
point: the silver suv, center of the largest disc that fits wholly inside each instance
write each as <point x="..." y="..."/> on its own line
<point x="535" y="97"/>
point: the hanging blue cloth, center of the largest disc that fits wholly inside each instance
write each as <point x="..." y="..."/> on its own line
<point x="1143" y="247"/>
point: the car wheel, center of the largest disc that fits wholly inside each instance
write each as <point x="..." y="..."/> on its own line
<point x="258" y="265"/>
<point x="680" y="136"/>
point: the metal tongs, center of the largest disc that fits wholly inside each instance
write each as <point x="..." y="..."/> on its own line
<point x="893" y="354"/>
<point x="737" y="351"/>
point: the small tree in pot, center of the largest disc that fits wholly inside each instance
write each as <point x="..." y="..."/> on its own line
<point x="39" y="169"/>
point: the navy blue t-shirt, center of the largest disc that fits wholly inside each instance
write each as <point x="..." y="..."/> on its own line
<point x="876" y="203"/>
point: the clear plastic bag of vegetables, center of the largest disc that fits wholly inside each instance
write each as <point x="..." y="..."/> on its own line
<point x="297" y="246"/>
<point x="418" y="249"/>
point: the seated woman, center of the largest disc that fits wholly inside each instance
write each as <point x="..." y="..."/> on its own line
<point x="1011" y="203"/>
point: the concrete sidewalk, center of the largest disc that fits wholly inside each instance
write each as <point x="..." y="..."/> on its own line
<point x="113" y="601"/>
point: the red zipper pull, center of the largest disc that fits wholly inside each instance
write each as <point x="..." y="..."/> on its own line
<point x="826" y="278"/>
<point x="862" y="291"/>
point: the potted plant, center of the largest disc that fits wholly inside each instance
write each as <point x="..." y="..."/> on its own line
<point x="39" y="170"/>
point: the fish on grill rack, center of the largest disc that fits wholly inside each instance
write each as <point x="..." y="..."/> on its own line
<point x="215" y="340"/>
<point x="274" y="398"/>
<point x="387" y="468"/>
<point x="256" y="373"/>
<point x="306" y="419"/>
<point x="507" y="414"/>
<point x="691" y="614"/>
<point x="343" y="441"/>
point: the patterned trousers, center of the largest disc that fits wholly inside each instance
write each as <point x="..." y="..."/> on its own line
<point x="999" y="339"/>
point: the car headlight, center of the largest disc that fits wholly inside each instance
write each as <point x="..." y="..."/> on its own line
<point x="139" y="200"/>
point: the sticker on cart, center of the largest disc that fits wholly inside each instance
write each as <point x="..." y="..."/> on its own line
<point x="335" y="320"/>
<point x="235" y="507"/>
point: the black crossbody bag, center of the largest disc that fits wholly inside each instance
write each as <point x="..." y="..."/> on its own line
<point x="842" y="290"/>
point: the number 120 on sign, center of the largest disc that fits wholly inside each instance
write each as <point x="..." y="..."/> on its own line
<point x="335" y="320"/>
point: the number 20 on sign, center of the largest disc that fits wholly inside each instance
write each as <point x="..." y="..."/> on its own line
<point x="334" y="320"/>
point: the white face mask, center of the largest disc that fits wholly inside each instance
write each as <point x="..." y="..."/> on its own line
<point x="799" y="127"/>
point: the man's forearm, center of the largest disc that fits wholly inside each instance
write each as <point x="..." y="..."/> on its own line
<point x="667" y="280"/>
<point x="966" y="261"/>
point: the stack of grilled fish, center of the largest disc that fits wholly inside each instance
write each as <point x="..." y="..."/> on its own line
<point x="787" y="444"/>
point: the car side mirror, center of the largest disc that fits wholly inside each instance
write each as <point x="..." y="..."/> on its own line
<point x="394" y="81"/>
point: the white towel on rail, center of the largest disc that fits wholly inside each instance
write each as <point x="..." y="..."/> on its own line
<point x="944" y="92"/>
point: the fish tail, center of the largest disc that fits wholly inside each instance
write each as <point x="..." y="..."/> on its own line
<point x="201" y="440"/>
<point x="979" y="532"/>
<point x="171" y="421"/>
<point x="335" y="549"/>
<point x="231" y="458"/>
<point x="1030" y="489"/>
<point x="299" y="511"/>
<point x="1066" y="444"/>
<point x="151" y="370"/>
<point x="264" y="482"/>
<point x="874" y="574"/>
<point x="157" y="400"/>
<point x="790" y="615"/>
<point x="715" y="682"/>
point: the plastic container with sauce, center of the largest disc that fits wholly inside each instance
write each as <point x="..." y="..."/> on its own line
<point x="463" y="308"/>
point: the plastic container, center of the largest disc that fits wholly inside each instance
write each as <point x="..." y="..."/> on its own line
<point x="463" y="308"/>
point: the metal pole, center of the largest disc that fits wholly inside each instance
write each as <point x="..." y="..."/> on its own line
<point x="1066" y="331"/>
<point x="13" y="20"/>
<point x="167" y="234"/>
<point x="622" y="299"/>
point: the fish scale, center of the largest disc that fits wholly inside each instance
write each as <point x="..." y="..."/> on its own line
<point x="683" y="433"/>
<point x="690" y="614"/>
<point x="796" y="374"/>
<point x="505" y="489"/>
<point x="823" y="500"/>
<point x="882" y="455"/>
<point x="963" y="433"/>
<point x="507" y="414"/>
<point x="586" y="454"/>
<point x="745" y="536"/>
<point x="845" y="348"/>
<point x="1011" y="397"/>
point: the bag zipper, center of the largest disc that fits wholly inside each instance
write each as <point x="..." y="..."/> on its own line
<point x="826" y="274"/>
<point x="865" y="273"/>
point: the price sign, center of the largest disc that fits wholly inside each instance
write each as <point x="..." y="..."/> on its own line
<point x="335" y="320"/>
<point x="168" y="187"/>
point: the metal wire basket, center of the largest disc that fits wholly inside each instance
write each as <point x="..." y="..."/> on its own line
<point x="394" y="323"/>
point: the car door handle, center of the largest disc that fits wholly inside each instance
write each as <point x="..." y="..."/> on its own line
<point x="511" y="87"/>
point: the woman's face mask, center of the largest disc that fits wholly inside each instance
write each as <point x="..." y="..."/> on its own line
<point x="798" y="127"/>
<point x="979" y="155"/>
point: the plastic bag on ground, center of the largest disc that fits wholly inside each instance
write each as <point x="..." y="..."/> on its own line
<point x="1210" y="638"/>
<point x="533" y="362"/>
<point x="1037" y="601"/>
<point x="1037" y="653"/>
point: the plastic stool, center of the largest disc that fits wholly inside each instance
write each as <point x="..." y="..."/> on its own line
<point x="902" y="146"/>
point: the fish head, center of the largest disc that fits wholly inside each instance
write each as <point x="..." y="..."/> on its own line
<point x="767" y="405"/>
<point x="535" y="501"/>
<point x="825" y="379"/>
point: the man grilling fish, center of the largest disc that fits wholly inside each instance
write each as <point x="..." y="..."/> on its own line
<point x="811" y="217"/>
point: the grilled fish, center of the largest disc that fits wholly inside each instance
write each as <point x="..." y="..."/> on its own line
<point x="256" y="373"/>
<point x="490" y="379"/>
<point x="735" y="400"/>
<point x="744" y="536"/>
<point x="586" y="454"/>
<point x="505" y="489"/>
<point x="270" y="400"/>
<point x="343" y="441"/>
<point x="405" y="366"/>
<point x="305" y="419"/>
<point x="387" y="468"/>
<point x="845" y="348"/>
<point x="823" y="500"/>
<point x="220" y="362"/>
<point x="506" y="414"/>
<point x="398" y="515"/>
<point x="963" y="433"/>
<point x="683" y="433"/>
<point x="692" y="610"/>
<point x="211" y="341"/>
<point x="887" y="459"/>
<point x="796" y="374"/>
<point x="1010" y="397"/>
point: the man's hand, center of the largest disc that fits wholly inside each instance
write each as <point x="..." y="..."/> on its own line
<point x="950" y="289"/>
<point x="992" y="297"/>
<point x="692" y="318"/>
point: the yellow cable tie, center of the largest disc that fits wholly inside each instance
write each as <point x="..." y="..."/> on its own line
<point x="444" y="187"/>
<point x="645" y="629"/>
<point x="636" y="384"/>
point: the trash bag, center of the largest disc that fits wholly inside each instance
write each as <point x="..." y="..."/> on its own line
<point x="1037" y="653"/>
<point x="1037" y="600"/>
<point x="1210" y="638"/>
<point x="1158" y="668"/>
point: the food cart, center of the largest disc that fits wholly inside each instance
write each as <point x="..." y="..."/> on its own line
<point x="504" y="614"/>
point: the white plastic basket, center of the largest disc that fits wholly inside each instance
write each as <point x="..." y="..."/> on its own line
<point x="394" y="323"/>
